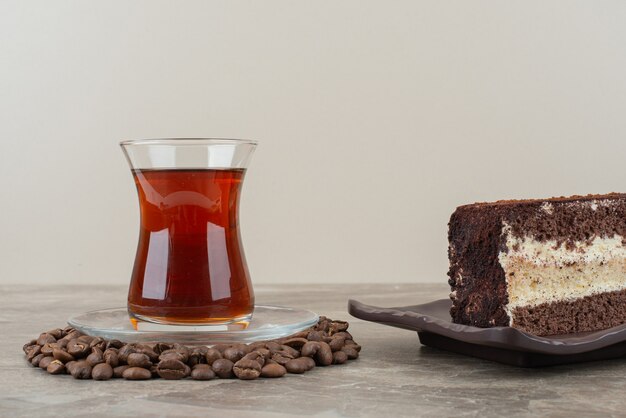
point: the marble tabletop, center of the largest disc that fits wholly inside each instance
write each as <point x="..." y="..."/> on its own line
<point x="395" y="376"/>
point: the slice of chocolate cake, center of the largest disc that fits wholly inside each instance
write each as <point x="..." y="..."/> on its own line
<point x="553" y="266"/>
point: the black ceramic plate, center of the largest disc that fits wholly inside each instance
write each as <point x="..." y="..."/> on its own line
<point x="502" y="344"/>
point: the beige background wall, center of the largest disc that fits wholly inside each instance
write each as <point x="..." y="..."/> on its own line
<point x="376" y="119"/>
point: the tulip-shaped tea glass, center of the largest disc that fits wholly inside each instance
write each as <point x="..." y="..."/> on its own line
<point x="190" y="266"/>
<point x="190" y="282"/>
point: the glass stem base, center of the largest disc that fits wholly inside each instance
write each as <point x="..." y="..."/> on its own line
<point x="144" y="322"/>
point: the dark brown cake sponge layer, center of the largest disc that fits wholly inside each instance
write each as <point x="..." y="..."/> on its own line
<point x="591" y="313"/>
<point x="476" y="277"/>
<point x="570" y="218"/>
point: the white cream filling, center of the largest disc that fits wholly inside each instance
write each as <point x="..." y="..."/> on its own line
<point x="548" y="252"/>
<point x="541" y="272"/>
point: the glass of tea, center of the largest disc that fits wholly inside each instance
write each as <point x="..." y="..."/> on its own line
<point x="190" y="266"/>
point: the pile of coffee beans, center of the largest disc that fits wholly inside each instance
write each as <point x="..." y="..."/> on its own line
<point x="67" y="351"/>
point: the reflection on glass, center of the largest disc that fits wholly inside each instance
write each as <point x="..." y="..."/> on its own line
<point x="219" y="268"/>
<point x="155" y="278"/>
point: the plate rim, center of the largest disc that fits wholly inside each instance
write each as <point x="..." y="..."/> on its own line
<point x="409" y="317"/>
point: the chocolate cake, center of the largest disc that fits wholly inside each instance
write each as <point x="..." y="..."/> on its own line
<point x="551" y="266"/>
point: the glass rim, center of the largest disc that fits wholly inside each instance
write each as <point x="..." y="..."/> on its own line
<point x="188" y="141"/>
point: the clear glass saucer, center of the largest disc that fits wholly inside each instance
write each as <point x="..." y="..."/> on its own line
<point x="268" y="322"/>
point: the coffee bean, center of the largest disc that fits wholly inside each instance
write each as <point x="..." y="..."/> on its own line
<point x="256" y="345"/>
<point x="282" y="357"/>
<point x="161" y="347"/>
<point x="309" y="362"/>
<point x="324" y="356"/>
<point x="264" y="352"/>
<point x="68" y="329"/>
<point x="301" y="334"/>
<point x="175" y="354"/>
<point x="72" y="335"/>
<point x="182" y="349"/>
<point x="152" y="355"/>
<point x="318" y="350"/>
<point x="273" y="370"/>
<point x="211" y="355"/>
<point x="223" y="368"/>
<point x="48" y="347"/>
<point x="339" y="357"/>
<point x="45" y="338"/>
<point x="323" y="324"/>
<point x="221" y="348"/>
<point x="78" y="349"/>
<point x="62" y="343"/>
<point x="81" y="370"/>
<point x="273" y="346"/>
<point x="337" y="326"/>
<point x="99" y="343"/>
<point x="261" y="350"/>
<point x="102" y="371"/>
<point x="95" y="357"/>
<point x="200" y="350"/>
<point x="352" y="344"/>
<point x="139" y="360"/>
<point x="202" y="372"/>
<point x="117" y="344"/>
<point x="119" y="370"/>
<point x="255" y="356"/>
<point x="296" y="343"/>
<point x="295" y="366"/>
<point x="85" y="339"/>
<point x="197" y="356"/>
<point x="315" y="336"/>
<point x="111" y="358"/>
<point x="345" y="334"/>
<point x="351" y="352"/>
<point x="28" y="345"/>
<point x="124" y="351"/>
<point x="56" y="367"/>
<point x="35" y="360"/>
<point x="300" y="365"/>
<point x="246" y="369"/>
<point x="136" y="373"/>
<point x="171" y="369"/>
<point x="236" y="352"/>
<point x="310" y="349"/>
<point x="337" y="343"/>
<point x="290" y="350"/>
<point x="171" y="355"/>
<point x="57" y="333"/>
<point x="33" y="351"/>
<point x="69" y="365"/>
<point x="45" y="362"/>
